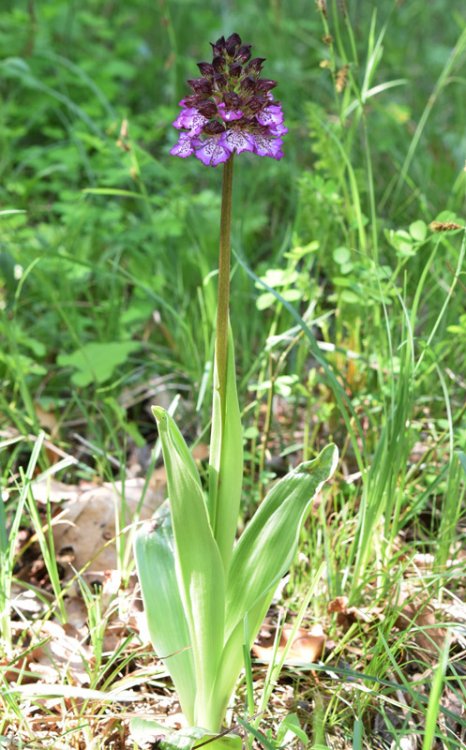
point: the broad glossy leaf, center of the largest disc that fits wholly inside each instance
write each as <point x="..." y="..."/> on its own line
<point x="166" y="619"/>
<point x="268" y="545"/>
<point x="226" y="462"/>
<point x="198" y="563"/>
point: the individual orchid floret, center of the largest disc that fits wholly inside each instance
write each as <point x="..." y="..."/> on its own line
<point x="184" y="147"/>
<point x="231" y="108"/>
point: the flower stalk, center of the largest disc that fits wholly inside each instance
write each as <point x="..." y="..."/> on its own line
<point x="223" y="302"/>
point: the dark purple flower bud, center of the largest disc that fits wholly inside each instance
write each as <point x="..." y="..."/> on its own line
<point x="255" y="65"/>
<point x="235" y="70"/>
<point x="220" y="82"/>
<point x="232" y="43"/>
<point x="218" y="64"/>
<point x="232" y="100"/>
<point x="200" y="85"/>
<point x="256" y="103"/>
<point x="207" y="109"/>
<point x="248" y="84"/>
<point x="265" y="84"/>
<point x="191" y="101"/>
<point x="219" y="47"/>
<point x="213" y="128"/>
<point x="206" y="69"/>
<point x="244" y="53"/>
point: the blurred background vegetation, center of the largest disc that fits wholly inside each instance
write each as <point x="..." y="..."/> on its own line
<point x="107" y="261"/>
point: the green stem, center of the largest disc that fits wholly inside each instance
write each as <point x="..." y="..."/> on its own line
<point x="223" y="304"/>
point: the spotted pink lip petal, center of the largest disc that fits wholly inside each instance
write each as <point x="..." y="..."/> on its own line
<point x="184" y="147"/>
<point x="238" y="141"/>
<point x="191" y="120"/>
<point x="278" y="129"/>
<point x="271" y="115"/>
<point x="212" y="152"/>
<point x="268" y="146"/>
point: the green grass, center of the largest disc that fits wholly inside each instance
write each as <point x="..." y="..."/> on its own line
<point x="349" y="323"/>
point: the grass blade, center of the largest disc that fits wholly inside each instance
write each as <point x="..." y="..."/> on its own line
<point x="434" y="697"/>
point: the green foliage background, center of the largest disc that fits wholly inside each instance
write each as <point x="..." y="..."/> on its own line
<point x="116" y="239"/>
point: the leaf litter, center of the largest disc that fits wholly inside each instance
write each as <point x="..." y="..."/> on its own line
<point x="62" y="654"/>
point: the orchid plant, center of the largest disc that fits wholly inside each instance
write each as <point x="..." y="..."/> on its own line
<point x="205" y="594"/>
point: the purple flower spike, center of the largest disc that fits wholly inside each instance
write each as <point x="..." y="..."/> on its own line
<point x="231" y="108"/>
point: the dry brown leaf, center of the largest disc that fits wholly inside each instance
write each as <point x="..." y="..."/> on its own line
<point x="347" y="616"/>
<point x="307" y="646"/>
<point x="48" y="421"/>
<point x="339" y="604"/>
<point x="420" y="617"/>
<point x="63" y="653"/>
<point x="84" y="531"/>
<point x="77" y="614"/>
<point x="201" y="452"/>
<point x="53" y="491"/>
<point x="25" y="601"/>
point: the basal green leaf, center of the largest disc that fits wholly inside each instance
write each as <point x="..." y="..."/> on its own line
<point x="198" y="563"/>
<point x="166" y="619"/>
<point x="232" y="657"/>
<point x="145" y="732"/>
<point x="226" y="462"/>
<point x="268" y="545"/>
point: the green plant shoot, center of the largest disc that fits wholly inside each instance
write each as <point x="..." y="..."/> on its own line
<point x="198" y="584"/>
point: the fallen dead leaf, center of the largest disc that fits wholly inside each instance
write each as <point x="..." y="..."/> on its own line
<point x="347" y="616"/>
<point x="339" y="604"/>
<point x="420" y="617"/>
<point x="76" y="613"/>
<point x="62" y="653"/>
<point x="84" y="532"/>
<point x="201" y="452"/>
<point x="307" y="646"/>
<point x="53" y="491"/>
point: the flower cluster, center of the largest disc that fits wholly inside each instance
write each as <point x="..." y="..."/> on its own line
<point x="231" y="108"/>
